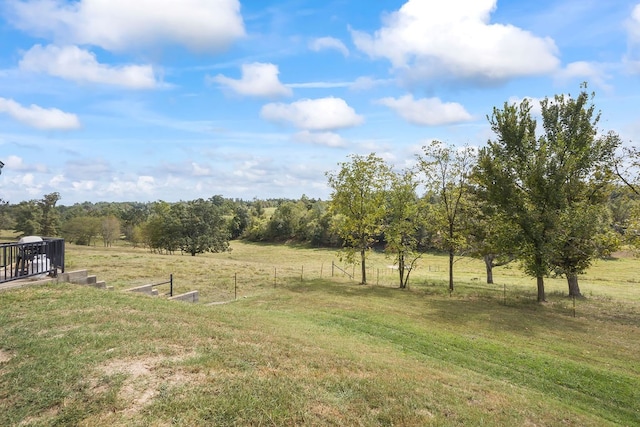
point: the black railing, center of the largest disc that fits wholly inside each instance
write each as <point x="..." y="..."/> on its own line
<point x="22" y="260"/>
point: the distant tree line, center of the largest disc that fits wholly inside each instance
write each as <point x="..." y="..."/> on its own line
<point x="552" y="196"/>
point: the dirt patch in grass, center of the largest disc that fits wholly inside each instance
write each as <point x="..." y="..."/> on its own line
<point x="5" y="356"/>
<point x="144" y="377"/>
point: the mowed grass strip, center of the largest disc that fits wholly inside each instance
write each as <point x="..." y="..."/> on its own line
<point x="312" y="351"/>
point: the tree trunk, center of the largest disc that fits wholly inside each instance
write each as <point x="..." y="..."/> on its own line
<point x="541" y="296"/>
<point x="401" y="269"/>
<point x="574" y="289"/>
<point x="451" y="256"/>
<point x="488" y="262"/>
<point x="364" y="268"/>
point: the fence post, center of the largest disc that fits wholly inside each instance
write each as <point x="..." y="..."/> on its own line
<point x="171" y="284"/>
<point x="235" y="286"/>
<point x="378" y="279"/>
<point x="321" y="265"/>
<point x="504" y="293"/>
<point x="302" y="274"/>
<point x="275" y="276"/>
<point x="332" y="264"/>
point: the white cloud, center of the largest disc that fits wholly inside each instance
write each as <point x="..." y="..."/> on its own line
<point x="321" y="114"/>
<point x="258" y="79"/>
<point x="319" y="85"/>
<point x="590" y="72"/>
<point x="455" y="39"/>
<point x="38" y="117"/>
<point x="632" y="58"/>
<point x="16" y="163"/>
<point x="366" y="83"/>
<point x="198" y="170"/>
<point x="427" y="111"/>
<point x="633" y="25"/>
<point x="73" y="63"/>
<point x="329" y="139"/>
<point x="361" y="83"/>
<point x="121" y="25"/>
<point x="324" y="43"/>
<point x="142" y="186"/>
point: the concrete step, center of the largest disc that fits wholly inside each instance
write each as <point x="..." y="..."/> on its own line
<point x="78" y="277"/>
<point x="186" y="297"/>
<point x="100" y="285"/>
<point x="91" y="280"/>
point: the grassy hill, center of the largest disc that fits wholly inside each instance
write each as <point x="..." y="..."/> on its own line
<point x="299" y="347"/>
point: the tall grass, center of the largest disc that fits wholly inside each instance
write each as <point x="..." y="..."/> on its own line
<point x="301" y="348"/>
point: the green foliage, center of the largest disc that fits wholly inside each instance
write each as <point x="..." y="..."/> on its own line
<point x="541" y="183"/>
<point x="193" y="227"/>
<point x="28" y="218"/>
<point x="406" y="217"/>
<point x="200" y="226"/>
<point x="82" y="230"/>
<point x="358" y="196"/>
<point x="446" y="171"/>
<point x="110" y="230"/>
<point x="50" y="217"/>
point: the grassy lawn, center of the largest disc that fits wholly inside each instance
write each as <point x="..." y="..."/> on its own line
<point x="299" y="347"/>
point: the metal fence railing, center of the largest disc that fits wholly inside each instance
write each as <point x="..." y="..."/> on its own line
<point x="31" y="259"/>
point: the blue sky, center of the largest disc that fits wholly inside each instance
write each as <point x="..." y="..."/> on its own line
<point x="121" y="100"/>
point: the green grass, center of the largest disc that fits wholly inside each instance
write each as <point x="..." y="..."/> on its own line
<point x="315" y="350"/>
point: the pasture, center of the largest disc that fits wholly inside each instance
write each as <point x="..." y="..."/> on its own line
<point x="291" y="345"/>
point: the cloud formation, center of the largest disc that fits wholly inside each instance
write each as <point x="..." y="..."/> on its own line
<point x="591" y="72"/>
<point x="38" y="117"/>
<point x="328" y="43"/>
<point x="633" y="25"/>
<point x="79" y="65"/>
<point x="123" y="25"/>
<point x="427" y="111"/>
<point x="257" y="79"/>
<point x="632" y="57"/>
<point x="455" y="39"/>
<point x="323" y="114"/>
<point x="328" y="139"/>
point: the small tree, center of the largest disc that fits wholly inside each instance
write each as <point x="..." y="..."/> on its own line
<point x="489" y="235"/>
<point x="358" y="197"/>
<point x="446" y="170"/>
<point x="404" y="219"/>
<point x="110" y="230"/>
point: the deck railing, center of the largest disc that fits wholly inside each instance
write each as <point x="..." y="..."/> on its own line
<point x="22" y="260"/>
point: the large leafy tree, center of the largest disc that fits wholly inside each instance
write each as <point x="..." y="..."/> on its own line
<point x="50" y="221"/>
<point x="28" y="218"/>
<point x="202" y="227"/>
<point x="81" y="230"/>
<point x="358" y="198"/>
<point x="447" y="170"/>
<point x="538" y="184"/>
<point x="585" y="163"/>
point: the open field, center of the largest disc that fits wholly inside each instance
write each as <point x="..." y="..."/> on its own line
<point x="301" y="348"/>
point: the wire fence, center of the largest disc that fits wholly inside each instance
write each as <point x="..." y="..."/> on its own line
<point x="433" y="279"/>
